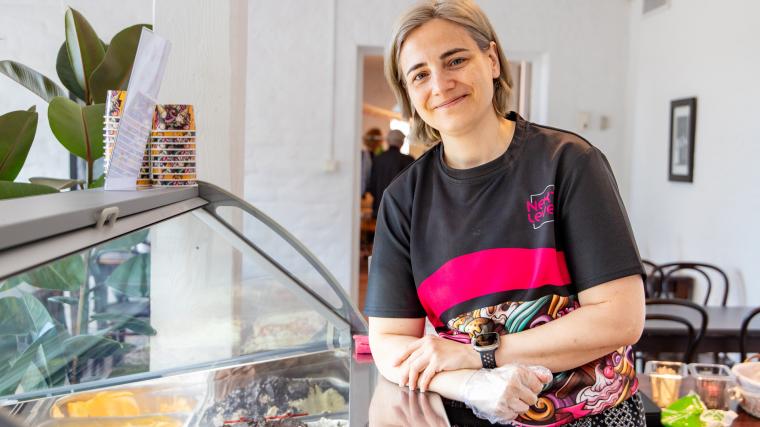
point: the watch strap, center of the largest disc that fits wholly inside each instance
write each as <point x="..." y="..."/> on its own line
<point x="488" y="358"/>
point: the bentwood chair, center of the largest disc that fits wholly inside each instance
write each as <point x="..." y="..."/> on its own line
<point x="692" y="317"/>
<point x="665" y="275"/>
<point x="743" y="333"/>
<point x="652" y="284"/>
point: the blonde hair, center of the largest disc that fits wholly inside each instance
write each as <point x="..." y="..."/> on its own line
<point x="462" y="12"/>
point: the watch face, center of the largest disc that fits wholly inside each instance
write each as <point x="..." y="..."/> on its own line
<point x="487" y="339"/>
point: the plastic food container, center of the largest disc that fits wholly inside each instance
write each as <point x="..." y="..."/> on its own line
<point x="712" y="383"/>
<point x="666" y="379"/>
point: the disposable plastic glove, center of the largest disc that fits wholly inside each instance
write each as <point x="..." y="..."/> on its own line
<point x="500" y="395"/>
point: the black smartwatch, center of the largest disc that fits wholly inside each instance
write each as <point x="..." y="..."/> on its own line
<point x="486" y="344"/>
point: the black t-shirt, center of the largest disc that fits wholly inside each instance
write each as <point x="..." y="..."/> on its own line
<point x="507" y="246"/>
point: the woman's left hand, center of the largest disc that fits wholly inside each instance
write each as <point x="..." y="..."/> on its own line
<point x="431" y="354"/>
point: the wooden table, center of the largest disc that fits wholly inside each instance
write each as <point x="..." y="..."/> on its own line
<point x="722" y="334"/>
<point x="743" y="420"/>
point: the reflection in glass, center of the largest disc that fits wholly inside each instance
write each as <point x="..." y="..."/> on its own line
<point x="152" y="302"/>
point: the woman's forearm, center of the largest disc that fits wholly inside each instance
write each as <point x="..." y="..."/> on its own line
<point x="386" y="348"/>
<point x="575" y="339"/>
<point x="611" y="316"/>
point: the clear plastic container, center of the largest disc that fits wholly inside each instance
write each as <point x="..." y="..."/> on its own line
<point x="666" y="379"/>
<point x="712" y="383"/>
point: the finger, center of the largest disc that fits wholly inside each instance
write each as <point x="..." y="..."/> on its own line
<point x="518" y="406"/>
<point x="404" y="368"/>
<point x="533" y="382"/>
<point x="544" y="374"/>
<point x="410" y="348"/>
<point x="427" y="377"/>
<point x="526" y="395"/>
<point x="407" y="366"/>
<point x="415" y="368"/>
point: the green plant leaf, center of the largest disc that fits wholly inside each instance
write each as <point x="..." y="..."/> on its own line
<point x="99" y="182"/>
<point x="35" y="81"/>
<point x="57" y="183"/>
<point x="66" y="73"/>
<point x="17" y="130"/>
<point x="78" y="128"/>
<point x="11" y="190"/>
<point x="66" y="274"/>
<point x="84" y="47"/>
<point x="10" y="379"/>
<point x="23" y="315"/>
<point x="113" y="73"/>
<point x="132" y="277"/>
<point x="123" y="321"/>
<point x="64" y="300"/>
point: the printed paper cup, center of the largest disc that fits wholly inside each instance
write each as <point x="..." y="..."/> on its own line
<point x="115" y="100"/>
<point x="174" y="117"/>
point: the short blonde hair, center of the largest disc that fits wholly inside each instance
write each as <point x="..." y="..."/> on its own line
<point x="462" y="12"/>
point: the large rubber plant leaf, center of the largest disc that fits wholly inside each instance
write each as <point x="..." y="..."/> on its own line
<point x="66" y="274"/>
<point x="11" y="190"/>
<point x="78" y="128"/>
<point x="17" y="130"/>
<point x="15" y="371"/>
<point x="132" y="277"/>
<point x="120" y="321"/>
<point x="85" y="49"/>
<point x="31" y="79"/>
<point x="66" y="73"/>
<point x="23" y="315"/>
<point x="114" y="71"/>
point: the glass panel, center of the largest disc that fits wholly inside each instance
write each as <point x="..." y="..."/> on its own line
<point x="284" y="253"/>
<point x="157" y="300"/>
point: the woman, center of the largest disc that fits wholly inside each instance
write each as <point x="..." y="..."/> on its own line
<point x="506" y="234"/>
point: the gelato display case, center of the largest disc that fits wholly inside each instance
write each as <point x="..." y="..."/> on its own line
<point x="170" y="307"/>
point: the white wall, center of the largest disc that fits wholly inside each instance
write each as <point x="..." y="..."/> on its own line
<point x="31" y="32"/>
<point x="294" y="124"/>
<point x="708" y="50"/>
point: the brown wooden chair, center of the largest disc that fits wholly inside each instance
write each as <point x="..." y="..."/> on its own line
<point x="666" y="276"/>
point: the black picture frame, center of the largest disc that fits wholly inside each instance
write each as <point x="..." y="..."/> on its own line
<point x="683" y="125"/>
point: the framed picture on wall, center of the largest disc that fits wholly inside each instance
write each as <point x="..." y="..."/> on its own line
<point x="683" y="123"/>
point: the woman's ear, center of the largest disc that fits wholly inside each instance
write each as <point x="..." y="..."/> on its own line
<point x="494" y="58"/>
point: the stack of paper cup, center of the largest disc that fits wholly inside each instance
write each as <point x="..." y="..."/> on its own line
<point x="172" y="146"/>
<point x="114" y="108"/>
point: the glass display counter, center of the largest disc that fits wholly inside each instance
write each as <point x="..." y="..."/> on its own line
<point x="170" y="307"/>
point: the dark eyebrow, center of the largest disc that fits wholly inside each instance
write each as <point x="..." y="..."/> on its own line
<point x="442" y="57"/>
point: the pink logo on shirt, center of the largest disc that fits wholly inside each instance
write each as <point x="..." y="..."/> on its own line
<point x="541" y="207"/>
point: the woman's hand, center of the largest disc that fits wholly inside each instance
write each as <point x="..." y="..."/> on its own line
<point x="431" y="354"/>
<point x="500" y="395"/>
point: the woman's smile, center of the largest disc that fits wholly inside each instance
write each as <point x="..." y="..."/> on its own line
<point x="450" y="103"/>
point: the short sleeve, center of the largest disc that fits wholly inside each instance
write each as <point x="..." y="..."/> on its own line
<point x="594" y="229"/>
<point x="391" y="291"/>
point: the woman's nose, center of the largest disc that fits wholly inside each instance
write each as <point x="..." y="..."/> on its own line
<point x="441" y="81"/>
